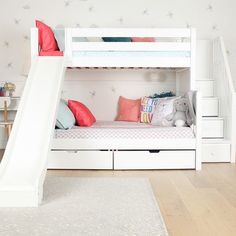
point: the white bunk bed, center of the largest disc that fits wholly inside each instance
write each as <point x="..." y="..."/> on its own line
<point x="174" y="49"/>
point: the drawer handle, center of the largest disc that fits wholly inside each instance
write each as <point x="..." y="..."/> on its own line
<point x="154" y="151"/>
<point x="72" y="151"/>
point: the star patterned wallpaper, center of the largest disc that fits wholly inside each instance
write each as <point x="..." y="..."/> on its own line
<point x="212" y="18"/>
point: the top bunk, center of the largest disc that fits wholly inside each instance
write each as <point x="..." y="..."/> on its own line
<point x="124" y="47"/>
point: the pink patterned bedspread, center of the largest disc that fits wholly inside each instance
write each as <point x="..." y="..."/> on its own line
<point x="124" y="130"/>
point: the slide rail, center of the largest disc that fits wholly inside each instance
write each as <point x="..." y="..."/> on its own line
<point x="225" y="90"/>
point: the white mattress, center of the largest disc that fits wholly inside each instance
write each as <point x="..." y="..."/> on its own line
<point x="124" y="130"/>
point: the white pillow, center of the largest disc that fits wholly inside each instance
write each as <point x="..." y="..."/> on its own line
<point x="163" y="111"/>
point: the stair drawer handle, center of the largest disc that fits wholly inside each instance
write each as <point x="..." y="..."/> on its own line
<point x="154" y="151"/>
<point x="72" y="151"/>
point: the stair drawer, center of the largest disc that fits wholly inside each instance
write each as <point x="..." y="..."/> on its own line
<point x="80" y="160"/>
<point x="210" y="107"/>
<point x="213" y="128"/>
<point x="161" y="160"/>
<point x="206" y="87"/>
<point x="216" y="152"/>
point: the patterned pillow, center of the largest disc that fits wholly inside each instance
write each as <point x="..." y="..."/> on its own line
<point x="163" y="111"/>
<point x="147" y="108"/>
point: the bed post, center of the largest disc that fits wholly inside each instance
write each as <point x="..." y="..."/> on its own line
<point x="198" y="131"/>
<point x="193" y="60"/>
<point x="34" y="43"/>
<point x="68" y="44"/>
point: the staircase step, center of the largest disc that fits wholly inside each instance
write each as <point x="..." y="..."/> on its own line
<point x="212" y="127"/>
<point x="206" y="87"/>
<point x="216" y="150"/>
<point x="210" y="106"/>
<point x="216" y="141"/>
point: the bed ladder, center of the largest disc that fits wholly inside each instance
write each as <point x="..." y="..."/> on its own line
<point x="24" y="164"/>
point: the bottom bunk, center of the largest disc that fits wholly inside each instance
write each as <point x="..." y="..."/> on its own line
<point x="123" y="145"/>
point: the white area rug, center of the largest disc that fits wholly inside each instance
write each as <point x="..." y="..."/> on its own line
<point x="88" y="206"/>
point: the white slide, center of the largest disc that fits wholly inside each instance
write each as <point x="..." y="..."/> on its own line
<point x="24" y="165"/>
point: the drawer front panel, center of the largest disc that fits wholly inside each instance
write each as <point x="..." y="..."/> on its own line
<point x="213" y="128"/>
<point x="80" y="160"/>
<point x="215" y="152"/>
<point x="206" y="87"/>
<point x="161" y="160"/>
<point x="210" y="107"/>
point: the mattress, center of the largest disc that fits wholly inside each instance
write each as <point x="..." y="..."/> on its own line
<point x="132" y="54"/>
<point x="124" y="130"/>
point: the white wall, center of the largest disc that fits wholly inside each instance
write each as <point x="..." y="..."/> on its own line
<point x="100" y="90"/>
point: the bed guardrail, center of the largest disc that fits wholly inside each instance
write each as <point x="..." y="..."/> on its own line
<point x="169" y="42"/>
<point x="198" y="130"/>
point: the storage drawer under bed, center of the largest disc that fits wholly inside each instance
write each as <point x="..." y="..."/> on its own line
<point x="70" y="159"/>
<point x="163" y="159"/>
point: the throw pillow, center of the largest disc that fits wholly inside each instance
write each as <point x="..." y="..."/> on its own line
<point x="47" y="41"/>
<point x="128" y="109"/>
<point x="116" y="39"/>
<point x="83" y="115"/>
<point x="163" y="112"/>
<point x="65" y="118"/>
<point x="60" y="37"/>
<point x="52" y="54"/>
<point x="138" y="39"/>
<point x="147" y="109"/>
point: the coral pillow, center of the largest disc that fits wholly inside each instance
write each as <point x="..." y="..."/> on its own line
<point x="128" y="109"/>
<point x="147" y="39"/>
<point x="83" y="115"/>
<point x="47" y="41"/>
<point x="53" y="53"/>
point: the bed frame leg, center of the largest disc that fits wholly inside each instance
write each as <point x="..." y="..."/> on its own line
<point x="198" y="160"/>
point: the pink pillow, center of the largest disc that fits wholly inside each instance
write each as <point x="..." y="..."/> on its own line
<point x="83" y="115"/>
<point x="147" y="39"/>
<point x="128" y="109"/>
<point x="47" y="41"/>
<point x="52" y="53"/>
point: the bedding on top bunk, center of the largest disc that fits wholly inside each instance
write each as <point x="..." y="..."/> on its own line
<point x="124" y="130"/>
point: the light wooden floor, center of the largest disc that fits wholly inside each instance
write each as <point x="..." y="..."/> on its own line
<point x="191" y="202"/>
